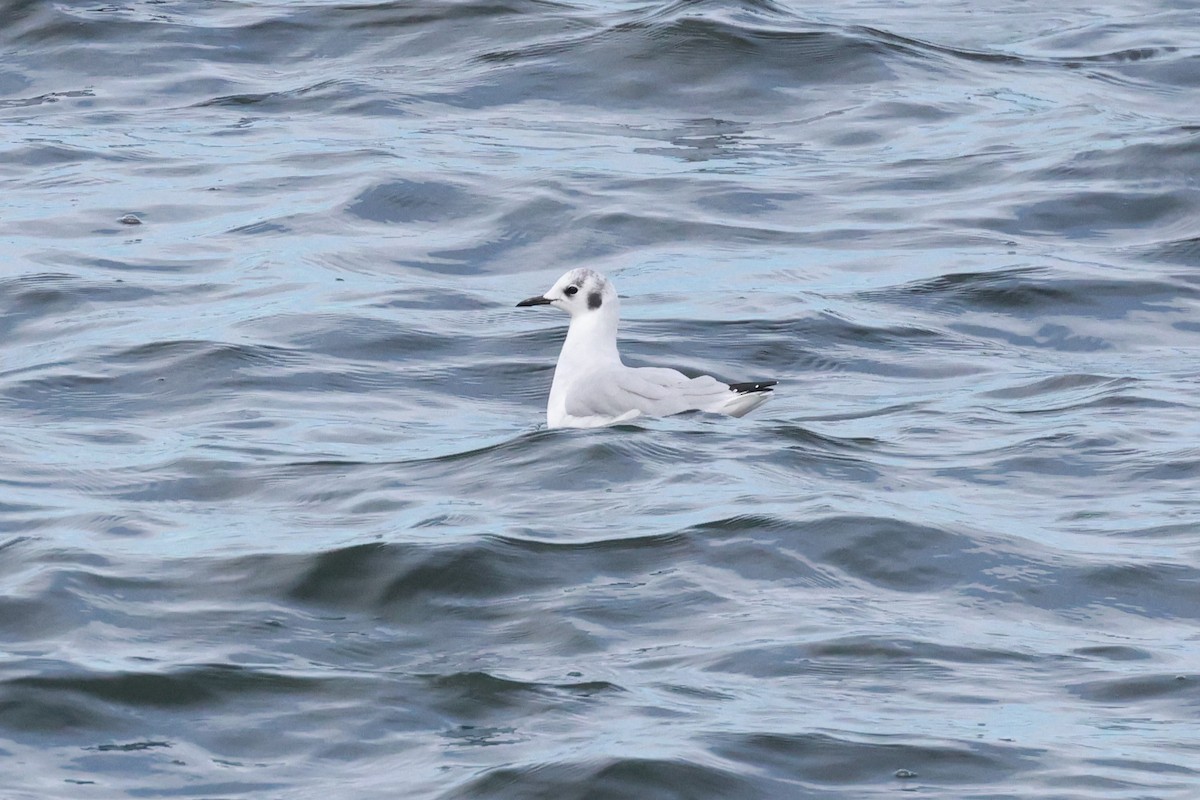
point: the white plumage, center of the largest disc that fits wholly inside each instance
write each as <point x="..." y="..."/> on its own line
<point x="592" y="387"/>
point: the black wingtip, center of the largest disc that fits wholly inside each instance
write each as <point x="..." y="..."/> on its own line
<point x="747" y="388"/>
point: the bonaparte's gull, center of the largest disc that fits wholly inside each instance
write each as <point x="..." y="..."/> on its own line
<point x="593" y="388"/>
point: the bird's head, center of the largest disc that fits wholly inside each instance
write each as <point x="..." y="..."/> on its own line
<point x="579" y="292"/>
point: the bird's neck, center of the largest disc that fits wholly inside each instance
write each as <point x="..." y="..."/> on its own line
<point x="591" y="342"/>
<point x="592" y="338"/>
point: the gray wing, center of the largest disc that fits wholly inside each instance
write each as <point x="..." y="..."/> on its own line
<point x="654" y="391"/>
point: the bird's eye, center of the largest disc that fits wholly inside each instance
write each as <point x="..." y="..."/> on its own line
<point x="570" y="291"/>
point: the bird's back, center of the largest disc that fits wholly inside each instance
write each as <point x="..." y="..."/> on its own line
<point x="618" y="393"/>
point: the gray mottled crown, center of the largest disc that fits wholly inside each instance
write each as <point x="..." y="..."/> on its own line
<point x="586" y="278"/>
<point x="593" y="288"/>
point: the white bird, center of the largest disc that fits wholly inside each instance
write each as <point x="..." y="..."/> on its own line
<point x="592" y="387"/>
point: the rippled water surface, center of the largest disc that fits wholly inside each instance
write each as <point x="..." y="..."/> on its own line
<point x="279" y="514"/>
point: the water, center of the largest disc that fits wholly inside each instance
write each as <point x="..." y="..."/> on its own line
<point x="279" y="517"/>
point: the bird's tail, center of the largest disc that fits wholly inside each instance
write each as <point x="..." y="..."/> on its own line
<point x="746" y="397"/>
<point x="747" y="388"/>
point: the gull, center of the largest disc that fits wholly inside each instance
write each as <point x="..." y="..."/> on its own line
<point x="593" y="388"/>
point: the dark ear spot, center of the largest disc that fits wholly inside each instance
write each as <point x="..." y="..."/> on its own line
<point x="594" y="300"/>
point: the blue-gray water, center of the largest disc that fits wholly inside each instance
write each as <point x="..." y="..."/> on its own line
<point x="279" y="517"/>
